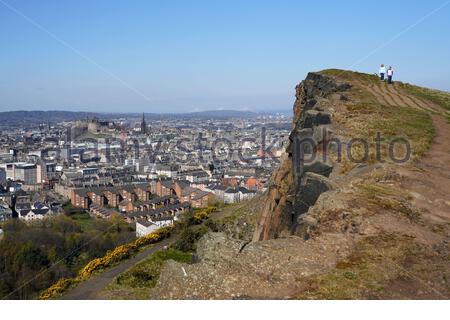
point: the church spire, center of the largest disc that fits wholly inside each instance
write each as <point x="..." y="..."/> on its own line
<point x="143" y="125"/>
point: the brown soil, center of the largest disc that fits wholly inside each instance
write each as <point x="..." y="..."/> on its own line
<point x="429" y="182"/>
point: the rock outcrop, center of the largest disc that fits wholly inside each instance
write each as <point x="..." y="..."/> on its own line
<point x="301" y="177"/>
<point x="230" y="269"/>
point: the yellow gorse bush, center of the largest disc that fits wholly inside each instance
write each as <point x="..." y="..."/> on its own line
<point x="57" y="288"/>
<point x="112" y="256"/>
<point x="203" y="214"/>
<point x="116" y="255"/>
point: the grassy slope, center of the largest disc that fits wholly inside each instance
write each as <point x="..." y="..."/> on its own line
<point x="364" y="117"/>
<point x="137" y="282"/>
<point x="386" y="266"/>
<point x="235" y="219"/>
<point x="439" y="97"/>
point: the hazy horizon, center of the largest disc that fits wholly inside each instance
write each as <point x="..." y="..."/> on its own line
<point x="156" y="112"/>
<point x="166" y="57"/>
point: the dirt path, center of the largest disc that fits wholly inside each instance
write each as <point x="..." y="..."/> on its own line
<point x="92" y="288"/>
<point x="394" y="100"/>
<point x="379" y="95"/>
<point x="421" y="103"/>
<point x="429" y="183"/>
<point x="89" y="289"/>
<point x="394" y="90"/>
<point x="393" y="95"/>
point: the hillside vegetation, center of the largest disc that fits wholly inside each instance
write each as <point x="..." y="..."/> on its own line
<point x="374" y="107"/>
<point x="34" y="256"/>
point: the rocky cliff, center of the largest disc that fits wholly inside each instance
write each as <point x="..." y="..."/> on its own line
<point x="303" y="174"/>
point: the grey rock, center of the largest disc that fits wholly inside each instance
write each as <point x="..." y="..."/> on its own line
<point x="312" y="186"/>
<point x="319" y="167"/>
<point x="314" y="118"/>
<point x="321" y="133"/>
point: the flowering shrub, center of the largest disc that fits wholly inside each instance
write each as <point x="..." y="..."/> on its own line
<point x="116" y="255"/>
<point x="57" y="288"/>
<point x="90" y="268"/>
<point x="203" y="214"/>
<point x="148" y="239"/>
<point x="112" y="256"/>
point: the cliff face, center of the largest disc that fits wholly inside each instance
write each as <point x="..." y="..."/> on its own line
<point x="303" y="174"/>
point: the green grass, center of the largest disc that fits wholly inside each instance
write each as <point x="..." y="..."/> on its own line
<point x="93" y="136"/>
<point x="69" y="209"/>
<point x="84" y="220"/>
<point x="137" y="281"/>
<point x="389" y="198"/>
<point x="441" y="98"/>
<point x="187" y="241"/>
<point x="373" y="269"/>
<point x="414" y="125"/>
<point x="365" y="117"/>
<point x="239" y="219"/>
<point x="348" y="75"/>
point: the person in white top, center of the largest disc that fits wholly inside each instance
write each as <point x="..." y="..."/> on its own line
<point x="390" y="74"/>
<point x="382" y="72"/>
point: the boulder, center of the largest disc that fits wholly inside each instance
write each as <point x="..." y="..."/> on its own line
<point x="312" y="186"/>
<point x="315" y="118"/>
<point x="319" y="167"/>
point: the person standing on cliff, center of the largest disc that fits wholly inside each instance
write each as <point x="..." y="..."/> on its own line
<point x="382" y="72"/>
<point x="390" y="74"/>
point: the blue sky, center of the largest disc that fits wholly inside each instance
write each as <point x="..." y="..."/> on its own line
<point x="179" y="56"/>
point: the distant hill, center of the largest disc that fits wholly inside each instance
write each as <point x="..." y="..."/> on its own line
<point x="216" y="114"/>
<point x="27" y="118"/>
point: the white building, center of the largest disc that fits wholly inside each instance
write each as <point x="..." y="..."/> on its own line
<point x="10" y="169"/>
<point x="238" y="194"/>
<point x="37" y="211"/>
<point x="26" y="173"/>
<point x="144" y="227"/>
<point x="197" y="176"/>
<point x="231" y="195"/>
<point x="165" y="171"/>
